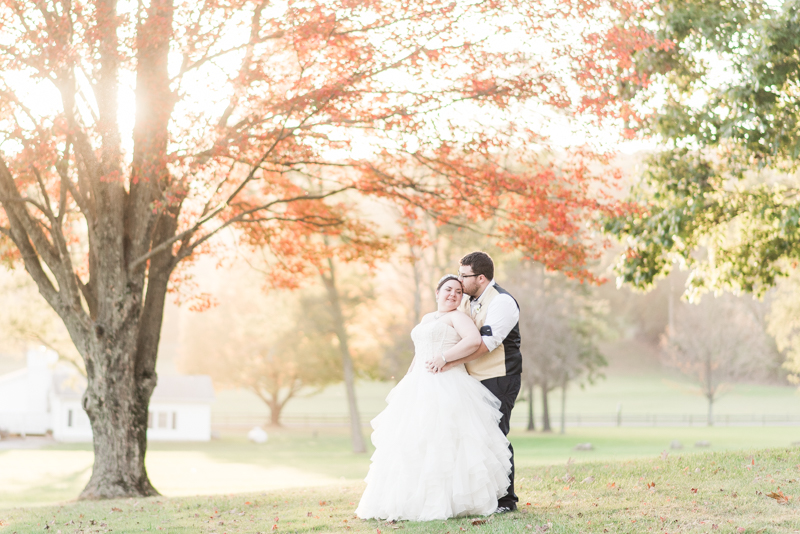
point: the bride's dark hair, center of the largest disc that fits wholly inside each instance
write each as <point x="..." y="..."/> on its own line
<point x="446" y="278"/>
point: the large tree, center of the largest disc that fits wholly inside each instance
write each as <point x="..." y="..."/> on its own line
<point x="714" y="83"/>
<point x="274" y="118"/>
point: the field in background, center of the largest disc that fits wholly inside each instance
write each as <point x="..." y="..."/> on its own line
<point x="635" y="381"/>
<point x="307" y="458"/>
<point x="642" y="395"/>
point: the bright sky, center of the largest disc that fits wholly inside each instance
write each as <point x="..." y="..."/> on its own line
<point x="205" y="91"/>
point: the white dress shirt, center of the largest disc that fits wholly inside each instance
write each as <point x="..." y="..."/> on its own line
<point x="502" y="316"/>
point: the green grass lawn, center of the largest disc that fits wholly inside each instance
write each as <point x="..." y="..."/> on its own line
<point x="752" y="491"/>
<point x="305" y="458"/>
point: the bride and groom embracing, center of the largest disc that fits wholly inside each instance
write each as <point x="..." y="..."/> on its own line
<point x="440" y="445"/>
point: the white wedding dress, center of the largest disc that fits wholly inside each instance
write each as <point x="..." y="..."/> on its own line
<point x="438" y="450"/>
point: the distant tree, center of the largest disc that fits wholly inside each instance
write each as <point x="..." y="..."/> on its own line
<point x="560" y="322"/>
<point x="279" y="344"/>
<point x="338" y="322"/>
<point x="271" y="345"/>
<point x="715" y="343"/>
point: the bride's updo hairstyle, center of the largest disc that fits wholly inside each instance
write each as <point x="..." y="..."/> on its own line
<point x="446" y="278"/>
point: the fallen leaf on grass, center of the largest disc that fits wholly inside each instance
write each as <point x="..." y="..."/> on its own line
<point x="611" y="485"/>
<point x="115" y="509"/>
<point x="476" y="522"/>
<point x="694" y="490"/>
<point x="779" y="497"/>
<point x="651" y="485"/>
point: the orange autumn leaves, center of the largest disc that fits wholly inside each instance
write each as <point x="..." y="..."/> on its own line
<point x="279" y="122"/>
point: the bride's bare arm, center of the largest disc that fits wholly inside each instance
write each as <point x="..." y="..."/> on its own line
<point x="470" y="341"/>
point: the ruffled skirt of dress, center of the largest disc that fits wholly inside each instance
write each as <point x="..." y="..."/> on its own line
<point x="439" y="451"/>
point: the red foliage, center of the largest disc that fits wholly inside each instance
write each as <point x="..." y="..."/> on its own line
<point x="280" y="118"/>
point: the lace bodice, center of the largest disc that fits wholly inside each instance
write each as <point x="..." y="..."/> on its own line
<point x="430" y="338"/>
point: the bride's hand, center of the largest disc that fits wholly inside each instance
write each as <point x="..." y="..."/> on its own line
<point x="438" y="364"/>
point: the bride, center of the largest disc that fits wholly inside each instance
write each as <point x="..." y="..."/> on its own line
<point x="438" y="450"/>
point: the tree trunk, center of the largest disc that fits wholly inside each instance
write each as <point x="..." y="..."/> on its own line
<point x="126" y="300"/>
<point x="275" y="410"/>
<point x="710" y="389"/>
<point x="531" y="422"/>
<point x="274" y="404"/>
<point x="545" y="410"/>
<point x="563" y="404"/>
<point x="118" y="409"/>
<point x="710" y="410"/>
<point x="356" y="437"/>
<point x="273" y="401"/>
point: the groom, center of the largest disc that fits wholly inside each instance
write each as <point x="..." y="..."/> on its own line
<point x="498" y="361"/>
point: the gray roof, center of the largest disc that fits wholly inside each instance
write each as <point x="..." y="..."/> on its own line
<point x="170" y="388"/>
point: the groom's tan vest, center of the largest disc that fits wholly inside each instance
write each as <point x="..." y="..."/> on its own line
<point x="506" y="359"/>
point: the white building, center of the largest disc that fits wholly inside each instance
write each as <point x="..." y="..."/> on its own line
<point x="47" y="397"/>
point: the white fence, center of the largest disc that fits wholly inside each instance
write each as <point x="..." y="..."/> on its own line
<point x="24" y="423"/>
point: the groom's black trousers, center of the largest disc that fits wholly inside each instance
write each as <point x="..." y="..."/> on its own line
<point x="506" y="388"/>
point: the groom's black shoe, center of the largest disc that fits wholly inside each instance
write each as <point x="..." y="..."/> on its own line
<point x="504" y="509"/>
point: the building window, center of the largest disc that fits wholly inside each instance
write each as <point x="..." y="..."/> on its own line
<point x="69" y="418"/>
<point x="165" y="420"/>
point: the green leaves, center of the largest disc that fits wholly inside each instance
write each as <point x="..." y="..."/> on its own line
<point x="719" y="197"/>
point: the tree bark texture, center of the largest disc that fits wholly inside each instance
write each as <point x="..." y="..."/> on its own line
<point x="545" y="409"/>
<point x="329" y="280"/>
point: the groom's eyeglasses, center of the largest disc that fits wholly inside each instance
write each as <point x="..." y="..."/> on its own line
<point x="462" y="276"/>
